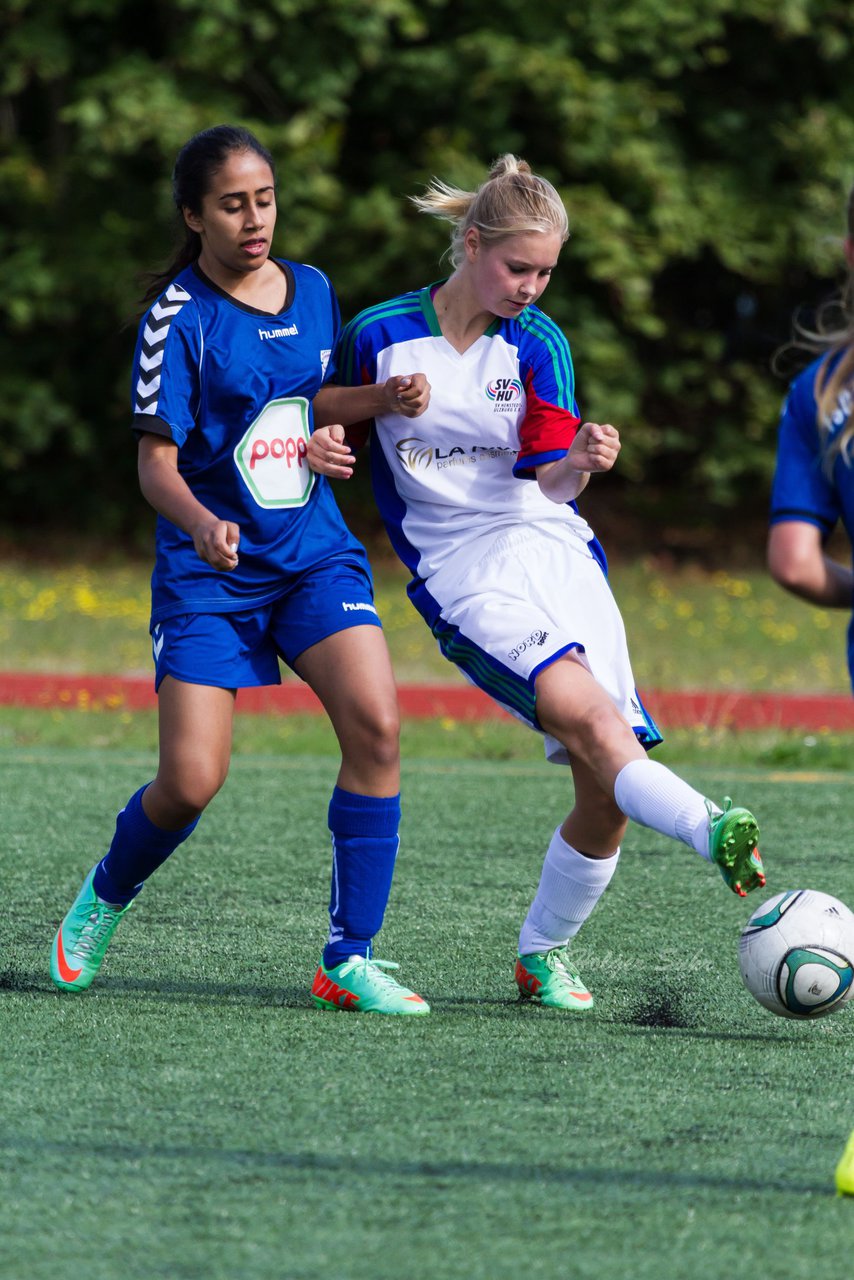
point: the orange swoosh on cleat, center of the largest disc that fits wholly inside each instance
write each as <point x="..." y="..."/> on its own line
<point x="416" y="999"/>
<point x="67" y="974"/>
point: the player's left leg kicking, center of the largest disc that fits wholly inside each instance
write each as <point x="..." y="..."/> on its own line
<point x="614" y="780"/>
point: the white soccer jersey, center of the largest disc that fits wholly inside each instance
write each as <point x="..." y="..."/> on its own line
<point x="507" y="580"/>
<point x="506" y="404"/>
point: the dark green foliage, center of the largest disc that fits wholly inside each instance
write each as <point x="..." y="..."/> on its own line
<point x="704" y="150"/>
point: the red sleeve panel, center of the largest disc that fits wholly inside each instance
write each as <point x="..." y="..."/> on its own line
<point x="546" y="433"/>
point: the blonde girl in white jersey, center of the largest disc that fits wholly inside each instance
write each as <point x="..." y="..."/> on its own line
<point x="505" y="571"/>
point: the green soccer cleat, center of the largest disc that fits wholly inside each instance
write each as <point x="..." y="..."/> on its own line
<point x="83" y="937"/>
<point x="733" y="836"/>
<point x="361" y="985"/>
<point x="549" y="978"/>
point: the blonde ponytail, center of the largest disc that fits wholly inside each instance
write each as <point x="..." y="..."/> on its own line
<point x="510" y="201"/>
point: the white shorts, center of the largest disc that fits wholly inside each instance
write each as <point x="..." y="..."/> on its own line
<point x="536" y="594"/>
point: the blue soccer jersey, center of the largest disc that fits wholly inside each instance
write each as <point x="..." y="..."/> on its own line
<point x="804" y="489"/>
<point x="232" y="387"/>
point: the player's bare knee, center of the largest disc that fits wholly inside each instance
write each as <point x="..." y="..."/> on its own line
<point x="375" y="738"/>
<point x="189" y="793"/>
<point x="382" y="747"/>
<point x="585" y="730"/>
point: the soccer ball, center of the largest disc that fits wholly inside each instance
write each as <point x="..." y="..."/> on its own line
<point x="796" y="954"/>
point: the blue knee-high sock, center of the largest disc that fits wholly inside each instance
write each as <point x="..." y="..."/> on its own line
<point x="137" y="850"/>
<point x="364" y="848"/>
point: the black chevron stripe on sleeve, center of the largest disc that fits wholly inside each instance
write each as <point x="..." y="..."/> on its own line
<point x="155" y="333"/>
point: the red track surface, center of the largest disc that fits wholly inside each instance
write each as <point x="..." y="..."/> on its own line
<point x="674" y="709"/>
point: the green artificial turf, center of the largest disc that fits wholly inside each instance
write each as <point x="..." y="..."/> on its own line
<point x="193" y="1116"/>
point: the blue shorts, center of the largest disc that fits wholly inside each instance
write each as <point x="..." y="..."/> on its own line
<point x="241" y="649"/>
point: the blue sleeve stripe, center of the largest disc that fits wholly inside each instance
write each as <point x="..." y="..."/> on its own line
<point x="546" y="331"/>
<point x="525" y="467"/>
<point x="405" y="305"/>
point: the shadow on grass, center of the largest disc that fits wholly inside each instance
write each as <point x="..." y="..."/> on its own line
<point x="438" y="1172"/>
<point x="160" y="989"/>
<point x="22" y="981"/>
<point x="179" y="990"/>
<point x="659" y="1018"/>
<point x="281" y="996"/>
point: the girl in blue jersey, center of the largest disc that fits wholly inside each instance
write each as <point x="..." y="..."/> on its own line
<point x="813" y="486"/>
<point x="478" y="497"/>
<point x="253" y="563"/>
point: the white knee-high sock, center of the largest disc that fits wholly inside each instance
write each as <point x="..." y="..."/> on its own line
<point x="652" y="795"/>
<point x="570" y="886"/>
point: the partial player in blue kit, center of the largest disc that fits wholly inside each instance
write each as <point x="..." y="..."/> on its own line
<point x="253" y="563"/>
<point x="813" y="488"/>
<point x="478" y="497"/>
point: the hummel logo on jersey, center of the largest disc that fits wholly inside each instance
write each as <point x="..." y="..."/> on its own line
<point x="356" y="606"/>
<point x="154" y="338"/>
<point x="290" y="332"/>
<point x="157" y="639"/>
<point x="841" y="414"/>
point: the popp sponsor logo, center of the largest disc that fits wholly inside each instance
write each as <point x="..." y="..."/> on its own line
<point x="292" y="451"/>
<point x="272" y="456"/>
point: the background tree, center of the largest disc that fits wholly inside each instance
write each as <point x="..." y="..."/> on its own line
<point x="703" y="148"/>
